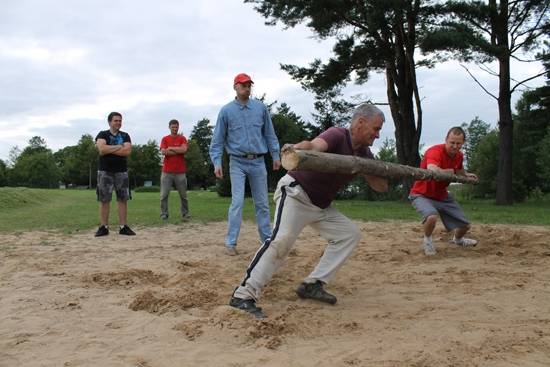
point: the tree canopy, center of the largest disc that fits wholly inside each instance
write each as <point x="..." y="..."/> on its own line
<point x="370" y="36"/>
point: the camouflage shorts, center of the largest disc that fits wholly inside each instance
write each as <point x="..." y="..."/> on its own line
<point x="107" y="181"/>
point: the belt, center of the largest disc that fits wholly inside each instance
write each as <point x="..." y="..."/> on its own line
<point x="249" y="155"/>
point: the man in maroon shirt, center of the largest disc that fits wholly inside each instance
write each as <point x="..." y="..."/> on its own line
<point x="173" y="148"/>
<point x="303" y="198"/>
<point x="431" y="198"/>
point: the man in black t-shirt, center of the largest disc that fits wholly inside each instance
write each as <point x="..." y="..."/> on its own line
<point x="114" y="146"/>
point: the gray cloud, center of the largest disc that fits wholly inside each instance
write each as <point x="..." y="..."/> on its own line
<point x="65" y="67"/>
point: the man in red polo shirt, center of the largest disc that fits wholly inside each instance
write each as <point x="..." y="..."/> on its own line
<point x="173" y="148"/>
<point x="431" y="198"/>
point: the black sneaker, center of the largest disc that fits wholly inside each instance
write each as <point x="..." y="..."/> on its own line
<point x="125" y="230"/>
<point x="102" y="231"/>
<point x="248" y="305"/>
<point x="315" y="291"/>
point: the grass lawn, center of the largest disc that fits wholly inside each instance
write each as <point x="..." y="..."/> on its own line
<point x="74" y="210"/>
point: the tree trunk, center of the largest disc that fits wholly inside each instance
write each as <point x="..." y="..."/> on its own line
<point x="504" y="194"/>
<point x="308" y="160"/>
<point x="407" y="136"/>
<point x="403" y="96"/>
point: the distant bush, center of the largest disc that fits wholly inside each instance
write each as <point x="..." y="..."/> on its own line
<point x="147" y="189"/>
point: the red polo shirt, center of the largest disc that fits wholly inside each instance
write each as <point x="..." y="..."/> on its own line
<point x="437" y="155"/>
<point x="173" y="163"/>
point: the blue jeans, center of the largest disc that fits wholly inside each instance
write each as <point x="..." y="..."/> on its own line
<point x="254" y="170"/>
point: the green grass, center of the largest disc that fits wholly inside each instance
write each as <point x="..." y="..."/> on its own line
<point x="75" y="210"/>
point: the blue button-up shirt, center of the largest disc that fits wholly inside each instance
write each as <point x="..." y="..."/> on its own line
<point x="243" y="129"/>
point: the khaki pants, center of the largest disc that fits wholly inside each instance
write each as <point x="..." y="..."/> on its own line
<point x="167" y="181"/>
<point x="293" y="212"/>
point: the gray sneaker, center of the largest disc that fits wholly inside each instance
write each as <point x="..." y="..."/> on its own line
<point x="464" y="242"/>
<point x="429" y="248"/>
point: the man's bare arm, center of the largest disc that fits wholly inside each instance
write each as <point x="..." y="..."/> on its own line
<point x="125" y="151"/>
<point x="462" y="172"/>
<point x="167" y="152"/>
<point x="182" y="149"/>
<point x="105" y="149"/>
<point x="378" y="184"/>
<point x="316" y="144"/>
<point x="434" y="167"/>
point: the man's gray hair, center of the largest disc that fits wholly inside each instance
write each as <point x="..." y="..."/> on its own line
<point x="368" y="111"/>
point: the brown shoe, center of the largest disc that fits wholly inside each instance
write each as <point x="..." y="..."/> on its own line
<point x="231" y="251"/>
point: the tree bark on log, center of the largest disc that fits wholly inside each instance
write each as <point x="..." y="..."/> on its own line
<point x="309" y="160"/>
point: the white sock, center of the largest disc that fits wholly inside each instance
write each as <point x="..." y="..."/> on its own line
<point x="428" y="238"/>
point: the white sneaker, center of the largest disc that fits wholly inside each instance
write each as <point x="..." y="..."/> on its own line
<point x="464" y="242"/>
<point x="429" y="248"/>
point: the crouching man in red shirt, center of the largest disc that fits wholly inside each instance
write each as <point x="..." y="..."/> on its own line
<point x="431" y="198"/>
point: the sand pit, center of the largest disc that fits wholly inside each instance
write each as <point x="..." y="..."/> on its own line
<point x="160" y="299"/>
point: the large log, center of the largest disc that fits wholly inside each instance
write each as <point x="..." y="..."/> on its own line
<point x="309" y="160"/>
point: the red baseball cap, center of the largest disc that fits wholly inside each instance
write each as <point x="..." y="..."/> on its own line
<point x="242" y="78"/>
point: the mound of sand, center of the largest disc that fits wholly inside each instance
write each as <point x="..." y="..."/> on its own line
<point x="160" y="299"/>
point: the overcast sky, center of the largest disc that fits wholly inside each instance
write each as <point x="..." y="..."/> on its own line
<point x="65" y="64"/>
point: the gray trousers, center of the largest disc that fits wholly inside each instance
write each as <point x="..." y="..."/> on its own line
<point x="167" y="181"/>
<point x="293" y="212"/>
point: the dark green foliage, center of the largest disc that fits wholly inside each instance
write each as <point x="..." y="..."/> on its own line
<point x="200" y="173"/>
<point x="543" y="162"/>
<point x="331" y="110"/>
<point x="223" y="186"/>
<point x="13" y="154"/>
<point x="202" y="135"/>
<point x="475" y="131"/>
<point x="484" y="163"/>
<point x="474" y="30"/>
<point x="3" y="173"/>
<point x="531" y="139"/>
<point x="78" y="163"/>
<point x="144" y="164"/>
<point x="201" y="169"/>
<point x="35" y="166"/>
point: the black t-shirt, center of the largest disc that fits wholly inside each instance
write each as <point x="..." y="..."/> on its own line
<point x="112" y="162"/>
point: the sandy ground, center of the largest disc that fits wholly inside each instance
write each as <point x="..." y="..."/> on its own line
<point x="160" y="299"/>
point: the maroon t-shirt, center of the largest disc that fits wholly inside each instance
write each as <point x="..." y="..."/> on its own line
<point x="322" y="187"/>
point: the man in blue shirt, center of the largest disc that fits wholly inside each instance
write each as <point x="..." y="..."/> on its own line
<point x="245" y="130"/>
